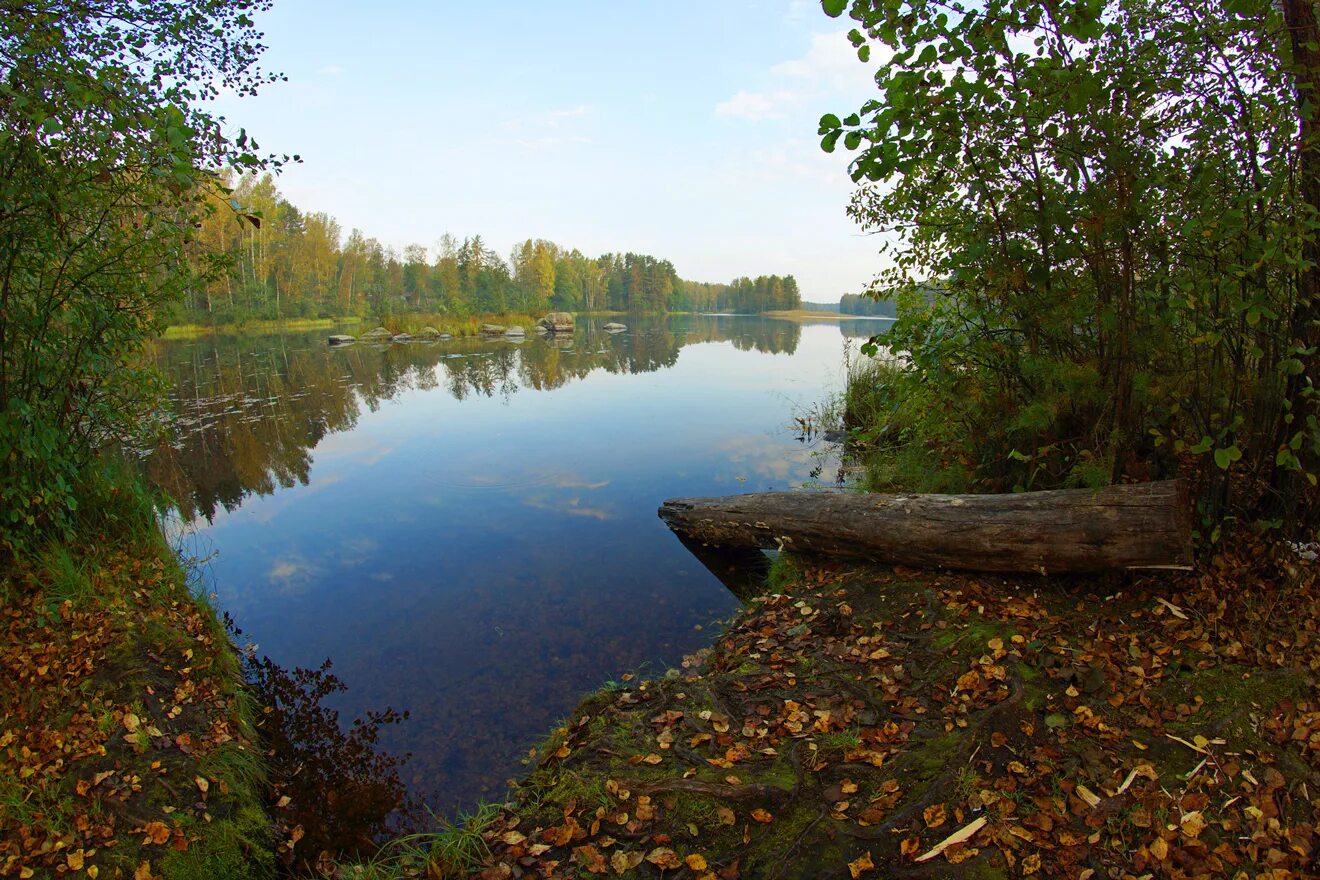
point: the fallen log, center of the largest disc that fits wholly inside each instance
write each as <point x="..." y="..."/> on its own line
<point x="1148" y="525"/>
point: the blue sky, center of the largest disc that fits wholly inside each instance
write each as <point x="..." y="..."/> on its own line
<point x="683" y="128"/>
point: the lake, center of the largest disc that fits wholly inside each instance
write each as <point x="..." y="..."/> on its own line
<point x="468" y="528"/>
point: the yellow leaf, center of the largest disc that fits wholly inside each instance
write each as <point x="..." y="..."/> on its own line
<point x="652" y="758"/>
<point x="696" y="862"/>
<point x="622" y="862"/>
<point x="860" y="866"/>
<point x="762" y="816"/>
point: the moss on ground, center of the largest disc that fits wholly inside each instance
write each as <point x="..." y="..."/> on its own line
<point x="126" y="745"/>
<point x="855" y="718"/>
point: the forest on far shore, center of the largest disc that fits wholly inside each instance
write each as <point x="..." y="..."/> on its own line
<point x="282" y="262"/>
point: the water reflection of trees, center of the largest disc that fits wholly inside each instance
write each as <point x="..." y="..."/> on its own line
<point x="248" y="411"/>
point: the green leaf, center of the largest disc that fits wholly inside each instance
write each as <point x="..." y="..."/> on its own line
<point x="828" y="123"/>
<point x="834" y="8"/>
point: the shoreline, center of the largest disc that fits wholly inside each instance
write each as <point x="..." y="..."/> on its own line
<point x="855" y="717"/>
<point x="805" y="315"/>
<point x="888" y="722"/>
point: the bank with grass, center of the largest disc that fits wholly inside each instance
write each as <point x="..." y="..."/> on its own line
<point x="870" y="721"/>
<point x="127" y="744"/>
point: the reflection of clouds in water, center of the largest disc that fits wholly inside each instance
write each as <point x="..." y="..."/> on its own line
<point x="292" y="574"/>
<point x="355" y="446"/>
<point x="764" y="457"/>
<point x="567" y="482"/>
<point x="357" y="551"/>
<point x="500" y="476"/>
<point x="572" y="506"/>
<point x="269" y="507"/>
<point x="382" y="576"/>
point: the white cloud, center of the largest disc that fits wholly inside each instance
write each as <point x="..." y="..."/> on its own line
<point x="756" y="105"/>
<point x="830" y="63"/>
<point x="828" y="69"/>
<point x="554" y="117"/>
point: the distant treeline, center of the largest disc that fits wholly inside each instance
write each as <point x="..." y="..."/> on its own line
<point x="286" y="263"/>
<point x="857" y="304"/>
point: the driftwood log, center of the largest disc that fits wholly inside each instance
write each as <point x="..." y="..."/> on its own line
<point x="1148" y="525"/>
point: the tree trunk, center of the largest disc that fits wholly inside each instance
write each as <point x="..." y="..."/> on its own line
<point x="1074" y="530"/>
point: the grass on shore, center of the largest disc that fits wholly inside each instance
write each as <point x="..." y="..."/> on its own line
<point x="194" y="331"/>
<point x="126" y="744"/>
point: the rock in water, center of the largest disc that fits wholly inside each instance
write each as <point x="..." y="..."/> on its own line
<point x="378" y="333"/>
<point x="557" y="322"/>
<point x="401" y="337"/>
<point x="515" y="330"/>
<point x="428" y="332"/>
<point x="340" y="339"/>
<point x="615" y="327"/>
<point x="492" y="329"/>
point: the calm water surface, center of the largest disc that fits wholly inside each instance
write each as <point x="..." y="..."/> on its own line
<point x="468" y="528"/>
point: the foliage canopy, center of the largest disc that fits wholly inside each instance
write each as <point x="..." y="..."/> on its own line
<point x="104" y="152"/>
<point x="1111" y="197"/>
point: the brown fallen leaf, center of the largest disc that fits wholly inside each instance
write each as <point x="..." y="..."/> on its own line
<point x="762" y="816"/>
<point x="664" y="857"/>
<point x="590" y="859"/>
<point x="156" y="832"/>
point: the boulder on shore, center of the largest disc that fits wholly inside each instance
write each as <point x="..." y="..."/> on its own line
<point x="340" y="339"/>
<point x="492" y="329"/>
<point x="428" y="332"/>
<point x="378" y="333"/>
<point x="615" y="327"/>
<point x="557" y="322"/>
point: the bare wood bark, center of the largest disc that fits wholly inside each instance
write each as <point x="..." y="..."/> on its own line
<point x="1075" y="530"/>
